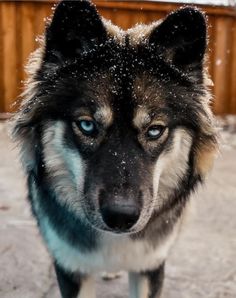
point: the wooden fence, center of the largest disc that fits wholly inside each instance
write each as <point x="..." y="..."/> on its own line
<point x="22" y="21"/>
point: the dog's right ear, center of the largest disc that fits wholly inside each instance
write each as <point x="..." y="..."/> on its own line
<point x="76" y="27"/>
<point x="181" y="39"/>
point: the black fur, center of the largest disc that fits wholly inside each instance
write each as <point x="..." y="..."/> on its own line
<point x="84" y="67"/>
<point x="76" y="27"/>
<point x="184" y="35"/>
<point x="68" y="283"/>
<point x="155" y="280"/>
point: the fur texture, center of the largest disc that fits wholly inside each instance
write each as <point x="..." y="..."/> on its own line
<point x="113" y="199"/>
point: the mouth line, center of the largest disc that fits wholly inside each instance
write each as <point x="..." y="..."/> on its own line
<point x="114" y="231"/>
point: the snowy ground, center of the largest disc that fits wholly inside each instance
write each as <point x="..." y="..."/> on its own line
<point x="202" y="263"/>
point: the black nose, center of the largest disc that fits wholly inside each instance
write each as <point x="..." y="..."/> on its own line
<point x="120" y="217"/>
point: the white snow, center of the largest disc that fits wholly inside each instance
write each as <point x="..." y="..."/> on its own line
<point x="218" y="62"/>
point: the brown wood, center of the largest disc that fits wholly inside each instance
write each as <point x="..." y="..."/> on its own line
<point x="211" y="43"/>
<point x="22" y="21"/>
<point x="2" y="95"/>
<point x="27" y="29"/>
<point x="220" y="66"/>
<point x="232" y="107"/>
<point x="161" y="6"/>
<point x="9" y="59"/>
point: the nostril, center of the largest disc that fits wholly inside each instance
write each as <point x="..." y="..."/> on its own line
<point x="120" y="217"/>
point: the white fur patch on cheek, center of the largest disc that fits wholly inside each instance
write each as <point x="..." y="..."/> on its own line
<point x="65" y="167"/>
<point x="171" y="167"/>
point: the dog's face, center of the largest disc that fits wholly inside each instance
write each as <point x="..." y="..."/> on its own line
<point x="122" y="117"/>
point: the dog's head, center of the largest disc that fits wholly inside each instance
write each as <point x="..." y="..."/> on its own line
<point x="117" y="124"/>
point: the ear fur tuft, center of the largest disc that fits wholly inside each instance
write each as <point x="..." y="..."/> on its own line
<point x="181" y="38"/>
<point x="75" y="27"/>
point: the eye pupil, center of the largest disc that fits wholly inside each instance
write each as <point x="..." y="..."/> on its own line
<point x="87" y="126"/>
<point x="155" y="132"/>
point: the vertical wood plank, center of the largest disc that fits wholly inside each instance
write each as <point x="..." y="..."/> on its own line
<point x="211" y="51"/>
<point x="228" y="62"/>
<point x="232" y="108"/>
<point x="122" y="18"/>
<point x="220" y="67"/>
<point x="9" y="54"/>
<point x="27" y="30"/>
<point x="2" y="105"/>
<point x="211" y="46"/>
<point x="43" y="12"/>
<point x="20" y="66"/>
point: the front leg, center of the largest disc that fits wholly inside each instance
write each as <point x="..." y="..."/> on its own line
<point x="146" y="284"/>
<point x="74" y="286"/>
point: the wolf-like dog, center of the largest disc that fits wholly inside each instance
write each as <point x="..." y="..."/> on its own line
<point x="115" y="132"/>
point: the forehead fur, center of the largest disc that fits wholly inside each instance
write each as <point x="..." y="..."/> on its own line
<point x="147" y="90"/>
<point x="140" y="33"/>
<point x="120" y="69"/>
<point x="137" y="34"/>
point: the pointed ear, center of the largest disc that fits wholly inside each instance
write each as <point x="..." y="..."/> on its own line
<point x="76" y="26"/>
<point x="181" y="38"/>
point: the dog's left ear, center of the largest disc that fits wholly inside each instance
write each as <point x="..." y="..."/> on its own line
<point x="75" y="27"/>
<point x="181" y="38"/>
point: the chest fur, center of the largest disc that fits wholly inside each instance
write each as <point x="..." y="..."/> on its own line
<point x="114" y="253"/>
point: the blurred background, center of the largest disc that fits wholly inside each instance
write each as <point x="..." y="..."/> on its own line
<point x="22" y="21"/>
<point x="203" y="262"/>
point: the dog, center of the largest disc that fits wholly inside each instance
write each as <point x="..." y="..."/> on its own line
<point x="115" y="132"/>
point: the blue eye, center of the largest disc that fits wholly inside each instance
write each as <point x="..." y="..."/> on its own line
<point x="155" y="131"/>
<point x="87" y="127"/>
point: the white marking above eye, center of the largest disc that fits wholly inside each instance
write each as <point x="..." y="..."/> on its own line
<point x="143" y="119"/>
